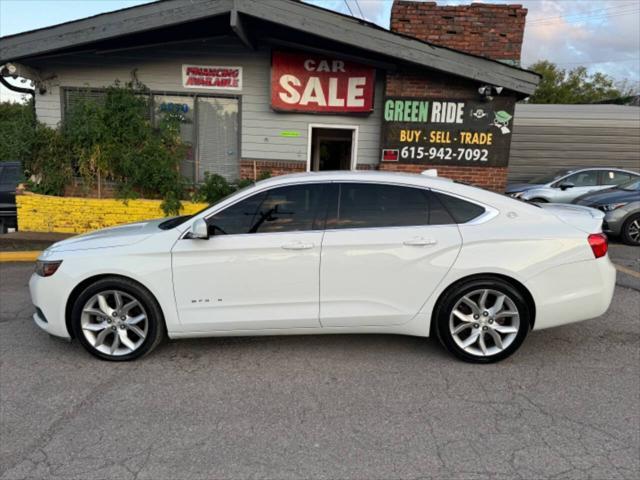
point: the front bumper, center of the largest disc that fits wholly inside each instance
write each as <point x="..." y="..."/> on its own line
<point x="48" y="298"/>
<point x="613" y="221"/>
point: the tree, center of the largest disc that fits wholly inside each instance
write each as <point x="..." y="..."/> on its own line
<point x="574" y="86"/>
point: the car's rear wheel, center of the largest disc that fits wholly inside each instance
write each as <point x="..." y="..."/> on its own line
<point x="117" y="319"/>
<point x="483" y="320"/>
<point x="631" y="230"/>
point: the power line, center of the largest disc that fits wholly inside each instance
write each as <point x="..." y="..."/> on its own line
<point x="598" y="11"/>
<point x="586" y="17"/>
<point x="598" y="61"/>
<point x="350" y="11"/>
<point x="358" y="5"/>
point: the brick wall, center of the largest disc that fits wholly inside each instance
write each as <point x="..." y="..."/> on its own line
<point x="488" y="30"/>
<point x="45" y="213"/>
<point x="273" y="167"/>
<point x="492" y="31"/>
<point x="491" y="178"/>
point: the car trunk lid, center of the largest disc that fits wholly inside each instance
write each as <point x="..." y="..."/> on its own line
<point x="588" y="220"/>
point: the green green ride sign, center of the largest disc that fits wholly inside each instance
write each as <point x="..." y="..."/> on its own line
<point x="448" y="132"/>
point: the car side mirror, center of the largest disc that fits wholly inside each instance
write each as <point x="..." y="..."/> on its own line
<point x="566" y="185"/>
<point x="199" y="230"/>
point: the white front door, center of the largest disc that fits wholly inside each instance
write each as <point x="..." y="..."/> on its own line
<point x="260" y="267"/>
<point x="384" y="252"/>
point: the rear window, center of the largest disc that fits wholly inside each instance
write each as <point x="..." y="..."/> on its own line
<point x="461" y="210"/>
<point x="369" y="205"/>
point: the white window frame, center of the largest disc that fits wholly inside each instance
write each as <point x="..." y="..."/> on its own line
<point x="354" y="141"/>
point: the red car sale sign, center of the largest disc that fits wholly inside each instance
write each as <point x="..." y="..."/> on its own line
<point x="312" y="83"/>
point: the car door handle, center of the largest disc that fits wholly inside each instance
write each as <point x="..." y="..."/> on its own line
<point x="297" y="246"/>
<point x="420" y="242"/>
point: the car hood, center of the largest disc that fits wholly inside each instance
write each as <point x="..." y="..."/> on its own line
<point x="521" y="187"/>
<point x="587" y="219"/>
<point x="604" y="197"/>
<point x="109" y="237"/>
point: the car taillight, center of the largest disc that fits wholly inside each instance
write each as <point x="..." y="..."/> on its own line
<point x="599" y="244"/>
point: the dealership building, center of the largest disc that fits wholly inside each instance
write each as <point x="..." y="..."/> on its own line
<point x="281" y="86"/>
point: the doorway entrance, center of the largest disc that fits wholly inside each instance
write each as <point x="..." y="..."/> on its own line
<point x="332" y="147"/>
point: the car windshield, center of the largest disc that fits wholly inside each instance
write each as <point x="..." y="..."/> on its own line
<point x="548" y="177"/>
<point x="632" y="185"/>
<point x="176" y="221"/>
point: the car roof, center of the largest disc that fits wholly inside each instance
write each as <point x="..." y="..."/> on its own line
<point x="358" y="175"/>
<point x="441" y="184"/>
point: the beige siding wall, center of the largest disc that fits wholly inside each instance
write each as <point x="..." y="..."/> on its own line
<point x="551" y="137"/>
<point x="159" y="68"/>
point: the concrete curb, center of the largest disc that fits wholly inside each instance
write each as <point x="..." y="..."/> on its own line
<point x="24" y="256"/>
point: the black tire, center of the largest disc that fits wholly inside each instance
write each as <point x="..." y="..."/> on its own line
<point x="538" y="200"/>
<point x="155" y="326"/>
<point x="443" y="317"/>
<point x="627" y="230"/>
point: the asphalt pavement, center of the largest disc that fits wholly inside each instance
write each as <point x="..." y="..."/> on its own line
<point x="565" y="406"/>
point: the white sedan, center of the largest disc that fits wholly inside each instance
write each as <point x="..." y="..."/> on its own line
<point x="334" y="252"/>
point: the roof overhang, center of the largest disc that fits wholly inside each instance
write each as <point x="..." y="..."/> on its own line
<point x="242" y="15"/>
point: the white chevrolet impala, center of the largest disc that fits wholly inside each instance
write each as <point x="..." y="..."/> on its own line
<point x="334" y="252"/>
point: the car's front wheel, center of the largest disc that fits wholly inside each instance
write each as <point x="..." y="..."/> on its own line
<point x="631" y="230"/>
<point x="483" y="320"/>
<point x="117" y="319"/>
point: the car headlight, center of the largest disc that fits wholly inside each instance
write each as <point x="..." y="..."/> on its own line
<point x="516" y="194"/>
<point x="612" y="206"/>
<point x="46" y="268"/>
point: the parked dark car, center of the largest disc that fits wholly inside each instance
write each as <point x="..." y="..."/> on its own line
<point x="10" y="177"/>
<point x="621" y="205"/>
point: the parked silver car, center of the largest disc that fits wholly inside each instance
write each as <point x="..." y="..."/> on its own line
<point x="564" y="186"/>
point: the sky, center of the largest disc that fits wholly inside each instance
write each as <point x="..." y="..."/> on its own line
<point x="602" y="35"/>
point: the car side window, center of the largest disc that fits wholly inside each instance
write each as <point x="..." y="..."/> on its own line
<point x="283" y="209"/>
<point x="588" y="178"/>
<point x="237" y="219"/>
<point x="461" y="210"/>
<point x="614" y="177"/>
<point x="367" y="205"/>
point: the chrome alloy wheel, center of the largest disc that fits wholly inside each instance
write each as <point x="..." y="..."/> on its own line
<point x="484" y="322"/>
<point x="114" y="322"/>
<point x="633" y="231"/>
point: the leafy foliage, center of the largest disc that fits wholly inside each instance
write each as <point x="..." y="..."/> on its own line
<point x="216" y="187"/>
<point x="49" y="162"/>
<point x="573" y="86"/>
<point x="17" y="123"/>
<point x="114" y="138"/>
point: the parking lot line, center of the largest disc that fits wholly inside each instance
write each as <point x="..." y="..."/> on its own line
<point x="628" y="271"/>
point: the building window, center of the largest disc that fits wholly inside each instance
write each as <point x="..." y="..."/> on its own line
<point x="181" y="106"/>
<point x="209" y="127"/>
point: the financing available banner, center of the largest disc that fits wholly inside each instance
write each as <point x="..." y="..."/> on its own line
<point x="447" y="132"/>
<point x="212" y="77"/>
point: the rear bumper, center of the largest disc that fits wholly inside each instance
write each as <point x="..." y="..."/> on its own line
<point x="572" y="292"/>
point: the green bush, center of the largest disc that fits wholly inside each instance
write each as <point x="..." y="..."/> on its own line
<point x="49" y="161"/>
<point x="216" y="187"/>
<point x="17" y="125"/>
<point x="114" y="139"/>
